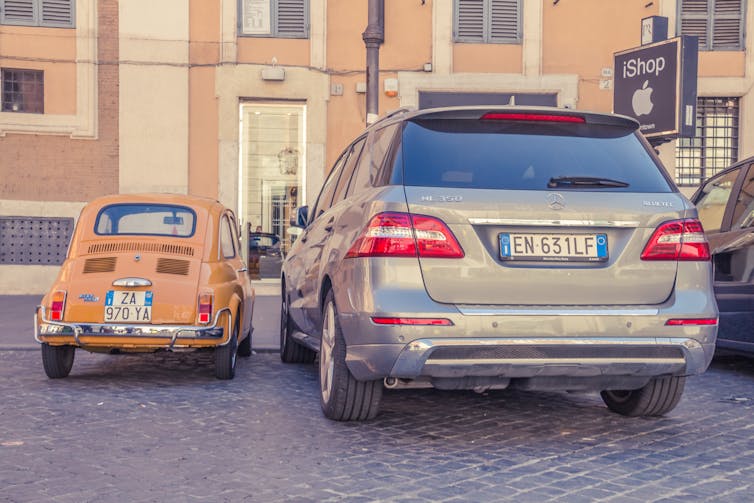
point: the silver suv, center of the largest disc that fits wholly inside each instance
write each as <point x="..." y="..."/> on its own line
<point x="488" y="248"/>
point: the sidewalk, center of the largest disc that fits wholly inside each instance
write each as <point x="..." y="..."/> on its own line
<point x="17" y="314"/>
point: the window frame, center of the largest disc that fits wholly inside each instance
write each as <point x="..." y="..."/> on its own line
<point x="41" y="87"/>
<point x="705" y="106"/>
<point x="37" y="20"/>
<point x="487" y="37"/>
<point x="274" y="24"/>
<point x="709" y="18"/>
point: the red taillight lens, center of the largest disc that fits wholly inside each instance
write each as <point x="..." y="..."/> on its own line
<point x="412" y="321"/>
<point x="403" y="235"/>
<point x="57" y="305"/>
<point x="691" y="321"/>
<point x="677" y="240"/>
<point x="533" y="117"/>
<point x="205" y="307"/>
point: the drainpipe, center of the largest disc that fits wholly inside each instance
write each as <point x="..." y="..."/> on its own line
<point x="373" y="37"/>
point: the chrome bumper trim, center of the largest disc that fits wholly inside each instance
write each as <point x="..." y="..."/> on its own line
<point x="171" y="332"/>
<point x="554" y="311"/>
<point x="412" y="361"/>
<point x="553" y="223"/>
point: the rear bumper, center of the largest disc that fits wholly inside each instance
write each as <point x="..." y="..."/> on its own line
<point x="107" y="335"/>
<point x="518" y="358"/>
<point x="594" y="345"/>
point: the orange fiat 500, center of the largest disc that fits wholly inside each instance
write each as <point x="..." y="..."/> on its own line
<point x="146" y="273"/>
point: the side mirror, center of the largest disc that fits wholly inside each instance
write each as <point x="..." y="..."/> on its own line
<point x="302" y="216"/>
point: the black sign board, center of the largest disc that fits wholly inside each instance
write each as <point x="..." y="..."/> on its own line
<point x="656" y="84"/>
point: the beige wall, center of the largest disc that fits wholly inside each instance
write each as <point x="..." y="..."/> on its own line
<point x="154" y="96"/>
<point x="48" y="49"/>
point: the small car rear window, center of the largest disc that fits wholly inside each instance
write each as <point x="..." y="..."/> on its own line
<point x="464" y="153"/>
<point x="146" y="219"/>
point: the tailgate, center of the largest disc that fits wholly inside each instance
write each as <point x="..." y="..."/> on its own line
<point x="482" y="219"/>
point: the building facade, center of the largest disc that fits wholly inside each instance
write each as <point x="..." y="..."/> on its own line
<point x="251" y="101"/>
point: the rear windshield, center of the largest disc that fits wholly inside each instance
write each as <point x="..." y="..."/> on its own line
<point x="146" y="219"/>
<point x="462" y="153"/>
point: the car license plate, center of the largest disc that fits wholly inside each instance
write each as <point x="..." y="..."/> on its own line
<point x="554" y="247"/>
<point x="127" y="306"/>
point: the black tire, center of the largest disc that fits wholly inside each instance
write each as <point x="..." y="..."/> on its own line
<point x="657" y="398"/>
<point x="225" y="356"/>
<point x="244" y="348"/>
<point x="342" y="397"/>
<point x="57" y="360"/>
<point x="291" y="351"/>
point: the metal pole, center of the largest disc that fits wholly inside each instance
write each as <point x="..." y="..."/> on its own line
<point x="373" y="37"/>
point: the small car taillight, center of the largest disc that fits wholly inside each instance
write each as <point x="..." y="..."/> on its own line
<point x="678" y="240"/>
<point x="205" y="307"/>
<point x="393" y="234"/>
<point x="57" y="306"/>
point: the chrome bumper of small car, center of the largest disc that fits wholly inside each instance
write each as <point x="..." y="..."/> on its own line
<point x="171" y="332"/>
<point x="552" y="357"/>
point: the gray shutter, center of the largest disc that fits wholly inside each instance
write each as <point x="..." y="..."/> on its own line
<point x="57" y="13"/>
<point x="695" y="20"/>
<point x="18" y="12"/>
<point x="504" y="20"/>
<point x="470" y="20"/>
<point x="291" y="18"/>
<point x="726" y="24"/>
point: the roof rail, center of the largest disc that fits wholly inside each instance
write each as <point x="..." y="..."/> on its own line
<point x="401" y="110"/>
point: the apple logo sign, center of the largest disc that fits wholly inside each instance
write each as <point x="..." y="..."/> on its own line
<point x="642" y="100"/>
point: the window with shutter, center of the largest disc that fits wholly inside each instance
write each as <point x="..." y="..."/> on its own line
<point x="274" y="18"/>
<point x="487" y="21"/>
<point x="52" y="13"/>
<point x="717" y="23"/>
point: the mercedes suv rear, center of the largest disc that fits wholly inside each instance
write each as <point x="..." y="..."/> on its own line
<point x="486" y="248"/>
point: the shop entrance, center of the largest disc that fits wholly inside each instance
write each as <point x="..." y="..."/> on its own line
<point x="272" y="180"/>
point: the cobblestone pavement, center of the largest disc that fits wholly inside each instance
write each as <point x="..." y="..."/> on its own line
<point x="162" y="428"/>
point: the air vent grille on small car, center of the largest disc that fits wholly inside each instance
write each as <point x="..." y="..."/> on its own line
<point x="103" y="264"/>
<point x="135" y="246"/>
<point x="173" y="266"/>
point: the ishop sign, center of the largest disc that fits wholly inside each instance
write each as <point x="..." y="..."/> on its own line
<point x="656" y="84"/>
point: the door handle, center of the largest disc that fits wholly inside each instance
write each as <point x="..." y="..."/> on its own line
<point x="329" y="226"/>
<point x="243" y="269"/>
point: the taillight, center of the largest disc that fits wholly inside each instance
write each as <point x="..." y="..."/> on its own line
<point x="677" y="240"/>
<point x="412" y="321"/>
<point x="205" y="307"/>
<point x="503" y="116"/>
<point x="394" y="234"/>
<point x="57" y="306"/>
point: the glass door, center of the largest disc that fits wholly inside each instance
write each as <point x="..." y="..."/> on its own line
<point x="272" y="180"/>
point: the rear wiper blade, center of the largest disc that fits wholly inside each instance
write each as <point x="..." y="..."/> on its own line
<point x="584" y="181"/>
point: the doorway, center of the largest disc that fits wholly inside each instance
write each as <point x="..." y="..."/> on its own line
<point x="272" y="180"/>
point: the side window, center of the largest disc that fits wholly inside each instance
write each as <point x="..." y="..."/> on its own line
<point x="235" y="231"/>
<point x="713" y="200"/>
<point x="226" y="238"/>
<point x="360" y="179"/>
<point x="324" y="201"/>
<point x="743" y="212"/>
<point x="345" y="180"/>
<point x="381" y="158"/>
